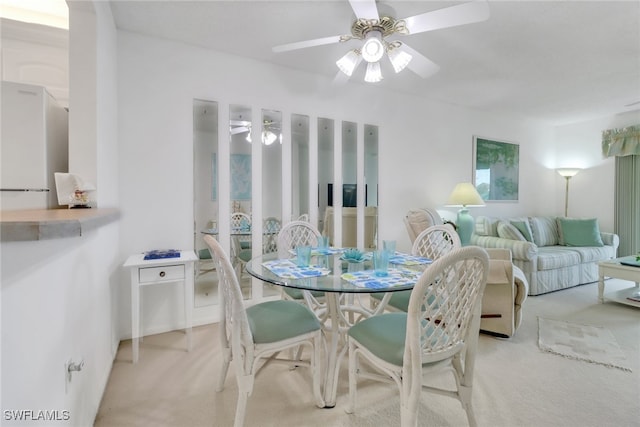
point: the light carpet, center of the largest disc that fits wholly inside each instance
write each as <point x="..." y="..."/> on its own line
<point x="515" y="384"/>
<point x="594" y="344"/>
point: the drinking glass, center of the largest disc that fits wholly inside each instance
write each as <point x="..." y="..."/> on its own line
<point x="381" y="262"/>
<point x="303" y="256"/>
<point x="389" y="246"/>
<point x="323" y="242"/>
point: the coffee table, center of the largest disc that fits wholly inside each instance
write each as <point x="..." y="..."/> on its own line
<point x="613" y="268"/>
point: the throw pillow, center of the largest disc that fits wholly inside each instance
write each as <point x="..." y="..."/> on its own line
<point x="544" y="230"/>
<point x="523" y="227"/>
<point x="580" y="232"/>
<point x="508" y="231"/>
<point x="486" y="226"/>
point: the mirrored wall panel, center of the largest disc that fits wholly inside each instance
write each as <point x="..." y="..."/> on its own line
<point x="371" y="185"/>
<point x="325" y="176"/>
<point x="349" y="185"/>
<point x="241" y="139"/>
<point x="271" y="140"/>
<point x="299" y="167"/>
<point x="205" y="203"/>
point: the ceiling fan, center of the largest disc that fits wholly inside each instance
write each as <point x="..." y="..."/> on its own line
<point x="270" y="130"/>
<point x="377" y="29"/>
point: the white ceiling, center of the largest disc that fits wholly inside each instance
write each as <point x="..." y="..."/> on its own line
<point x="559" y="61"/>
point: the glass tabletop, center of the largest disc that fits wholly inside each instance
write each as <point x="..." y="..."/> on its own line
<point x="335" y="277"/>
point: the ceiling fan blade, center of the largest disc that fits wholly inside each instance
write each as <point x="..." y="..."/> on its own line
<point x="340" y="79"/>
<point x="306" y="43"/>
<point x="365" y="9"/>
<point x="420" y="64"/>
<point x="467" y="13"/>
<point x="241" y="129"/>
<point x="239" y="123"/>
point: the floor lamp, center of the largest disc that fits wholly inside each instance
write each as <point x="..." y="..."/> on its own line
<point x="465" y="194"/>
<point x="567" y="173"/>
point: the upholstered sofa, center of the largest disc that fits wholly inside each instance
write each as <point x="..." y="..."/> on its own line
<point x="553" y="252"/>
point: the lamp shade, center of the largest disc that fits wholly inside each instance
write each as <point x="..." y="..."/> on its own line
<point x="568" y="172"/>
<point x="465" y="194"/>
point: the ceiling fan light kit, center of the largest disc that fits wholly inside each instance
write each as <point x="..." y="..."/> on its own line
<point x="374" y="30"/>
<point x="372" y="49"/>
<point x="373" y="74"/>
<point x="399" y="58"/>
<point x="349" y="62"/>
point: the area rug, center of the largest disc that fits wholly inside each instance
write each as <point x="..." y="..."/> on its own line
<point x="590" y="343"/>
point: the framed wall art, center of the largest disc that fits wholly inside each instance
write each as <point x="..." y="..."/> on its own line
<point x="496" y="169"/>
<point x="240" y="177"/>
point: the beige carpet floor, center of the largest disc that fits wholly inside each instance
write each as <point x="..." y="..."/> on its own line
<point x="516" y="384"/>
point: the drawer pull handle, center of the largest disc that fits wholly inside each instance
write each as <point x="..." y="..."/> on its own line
<point x="162" y="274"/>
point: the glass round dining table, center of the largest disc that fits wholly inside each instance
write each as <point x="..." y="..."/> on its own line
<point x="344" y="289"/>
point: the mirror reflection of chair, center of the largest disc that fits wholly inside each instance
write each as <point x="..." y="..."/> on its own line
<point x="254" y="337"/>
<point x="292" y="235"/>
<point x="241" y="221"/>
<point x="303" y="217"/>
<point x="270" y="229"/>
<point x="432" y="243"/>
<point x="439" y="331"/>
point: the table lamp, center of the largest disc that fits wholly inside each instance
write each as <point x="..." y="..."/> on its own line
<point x="465" y="194"/>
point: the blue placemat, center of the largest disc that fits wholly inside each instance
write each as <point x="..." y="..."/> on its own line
<point x="288" y="270"/>
<point x="368" y="278"/>
<point x="406" y="259"/>
<point x="162" y="253"/>
<point x="318" y="251"/>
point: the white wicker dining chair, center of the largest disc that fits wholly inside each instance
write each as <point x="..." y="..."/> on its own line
<point x="432" y="243"/>
<point x="292" y="235"/>
<point x="440" y="330"/>
<point x="255" y="336"/>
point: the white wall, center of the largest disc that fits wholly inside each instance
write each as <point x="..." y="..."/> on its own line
<point x="60" y="297"/>
<point x="425" y="147"/>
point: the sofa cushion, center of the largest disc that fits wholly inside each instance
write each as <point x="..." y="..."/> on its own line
<point x="544" y="230"/>
<point x="523" y="226"/>
<point x="508" y="231"/>
<point x="553" y="257"/>
<point x="594" y="253"/>
<point x="579" y="232"/>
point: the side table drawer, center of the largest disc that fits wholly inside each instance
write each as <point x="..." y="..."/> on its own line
<point x="158" y="274"/>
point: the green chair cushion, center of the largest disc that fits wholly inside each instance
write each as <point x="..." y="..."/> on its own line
<point x="399" y="300"/>
<point x="295" y="293"/>
<point x="245" y="255"/>
<point x="204" y="254"/>
<point x="273" y="321"/>
<point x="383" y="335"/>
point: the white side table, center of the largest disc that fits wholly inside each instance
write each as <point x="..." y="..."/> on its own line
<point x="160" y="271"/>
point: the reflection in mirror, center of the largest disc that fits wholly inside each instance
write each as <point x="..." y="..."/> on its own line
<point x="325" y="172"/>
<point x="349" y="186"/>
<point x="371" y="184"/>
<point x="240" y="179"/>
<point x="205" y="203"/>
<point x="271" y="137"/>
<point x="300" y="166"/>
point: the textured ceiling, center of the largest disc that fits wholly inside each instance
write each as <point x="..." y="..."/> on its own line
<point x="558" y="61"/>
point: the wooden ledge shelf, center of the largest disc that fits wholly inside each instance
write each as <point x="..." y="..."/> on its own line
<point x="32" y="225"/>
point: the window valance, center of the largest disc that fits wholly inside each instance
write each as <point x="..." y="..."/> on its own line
<point x="621" y="142"/>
